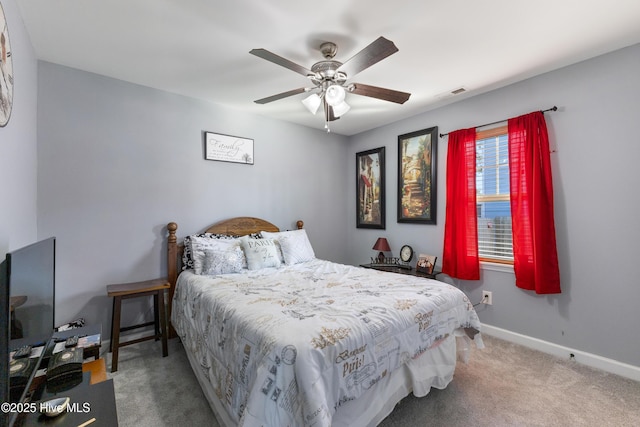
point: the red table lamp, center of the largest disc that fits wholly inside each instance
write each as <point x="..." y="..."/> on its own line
<point x="383" y="246"/>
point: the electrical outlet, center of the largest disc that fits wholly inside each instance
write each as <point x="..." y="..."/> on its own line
<point x="487" y="297"/>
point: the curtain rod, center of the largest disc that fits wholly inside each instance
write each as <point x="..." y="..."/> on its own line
<point x="554" y="108"/>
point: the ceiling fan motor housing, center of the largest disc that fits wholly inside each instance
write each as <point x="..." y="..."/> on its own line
<point x="328" y="50"/>
<point x="327" y="70"/>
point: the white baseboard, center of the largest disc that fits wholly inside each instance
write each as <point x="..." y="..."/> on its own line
<point x="588" y="359"/>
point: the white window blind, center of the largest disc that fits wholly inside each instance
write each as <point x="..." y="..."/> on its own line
<point x="492" y="196"/>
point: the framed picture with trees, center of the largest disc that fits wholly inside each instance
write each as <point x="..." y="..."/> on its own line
<point x="417" y="173"/>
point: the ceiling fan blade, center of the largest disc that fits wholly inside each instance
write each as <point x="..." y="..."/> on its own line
<point x="375" y="52"/>
<point x="380" y="93"/>
<point x="280" y="96"/>
<point x="279" y="60"/>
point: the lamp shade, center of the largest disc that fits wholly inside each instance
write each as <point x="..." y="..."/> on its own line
<point x="382" y="245"/>
<point x="335" y="95"/>
<point x="340" y="109"/>
<point x="312" y="102"/>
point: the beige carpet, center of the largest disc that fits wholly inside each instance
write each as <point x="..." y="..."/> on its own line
<point x="502" y="385"/>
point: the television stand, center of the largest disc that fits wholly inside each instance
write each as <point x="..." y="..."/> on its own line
<point x="93" y="397"/>
<point x="87" y="402"/>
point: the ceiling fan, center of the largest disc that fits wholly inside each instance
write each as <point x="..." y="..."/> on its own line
<point x="329" y="78"/>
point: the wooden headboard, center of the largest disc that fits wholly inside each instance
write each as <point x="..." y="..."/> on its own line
<point x="238" y="226"/>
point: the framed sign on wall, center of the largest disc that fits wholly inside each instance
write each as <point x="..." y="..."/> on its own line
<point x="228" y="148"/>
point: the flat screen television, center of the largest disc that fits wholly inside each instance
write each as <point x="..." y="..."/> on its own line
<point x="31" y="277"/>
<point x="27" y="301"/>
<point x="5" y="332"/>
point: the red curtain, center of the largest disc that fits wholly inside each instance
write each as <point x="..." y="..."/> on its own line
<point x="534" y="235"/>
<point x="460" y="253"/>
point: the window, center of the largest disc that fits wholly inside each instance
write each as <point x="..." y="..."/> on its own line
<point x="493" y="207"/>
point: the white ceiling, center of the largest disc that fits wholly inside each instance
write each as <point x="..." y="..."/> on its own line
<point x="200" y="48"/>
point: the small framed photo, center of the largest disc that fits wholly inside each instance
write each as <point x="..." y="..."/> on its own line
<point x="426" y="263"/>
<point x="228" y="148"/>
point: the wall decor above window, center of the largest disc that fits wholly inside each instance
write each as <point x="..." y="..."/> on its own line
<point x="417" y="172"/>
<point x="228" y="148"/>
<point x="370" y="189"/>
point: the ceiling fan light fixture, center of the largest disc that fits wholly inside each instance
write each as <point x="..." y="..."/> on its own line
<point x="329" y="78"/>
<point x="312" y="102"/>
<point x="334" y="95"/>
<point x="341" y="109"/>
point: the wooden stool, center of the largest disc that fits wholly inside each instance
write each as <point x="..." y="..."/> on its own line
<point x="155" y="288"/>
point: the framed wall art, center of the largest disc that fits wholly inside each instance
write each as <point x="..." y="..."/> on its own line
<point x="370" y="191"/>
<point x="417" y="173"/>
<point x="6" y="71"/>
<point x="228" y="148"/>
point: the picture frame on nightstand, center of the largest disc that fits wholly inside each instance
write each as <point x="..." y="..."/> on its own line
<point x="426" y="263"/>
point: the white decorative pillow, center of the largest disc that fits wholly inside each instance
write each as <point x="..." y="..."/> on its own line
<point x="260" y="253"/>
<point x="213" y="256"/>
<point x="295" y="245"/>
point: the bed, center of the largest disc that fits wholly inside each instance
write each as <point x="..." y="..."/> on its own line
<point x="300" y="341"/>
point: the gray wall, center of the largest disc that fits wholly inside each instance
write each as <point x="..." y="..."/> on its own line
<point x="118" y="161"/>
<point x="596" y="202"/>
<point x="18" y="143"/>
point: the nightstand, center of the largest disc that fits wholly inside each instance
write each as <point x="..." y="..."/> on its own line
<point x="401" y="270"/>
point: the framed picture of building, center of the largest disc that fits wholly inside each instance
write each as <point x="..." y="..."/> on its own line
<point x="370" y="192"/>
<point x="417" y="173"/>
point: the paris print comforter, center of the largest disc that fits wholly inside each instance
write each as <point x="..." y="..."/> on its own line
<point x="288" y="346"/>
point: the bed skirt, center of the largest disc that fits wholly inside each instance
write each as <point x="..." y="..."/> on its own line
<point x="434" y="368"/>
